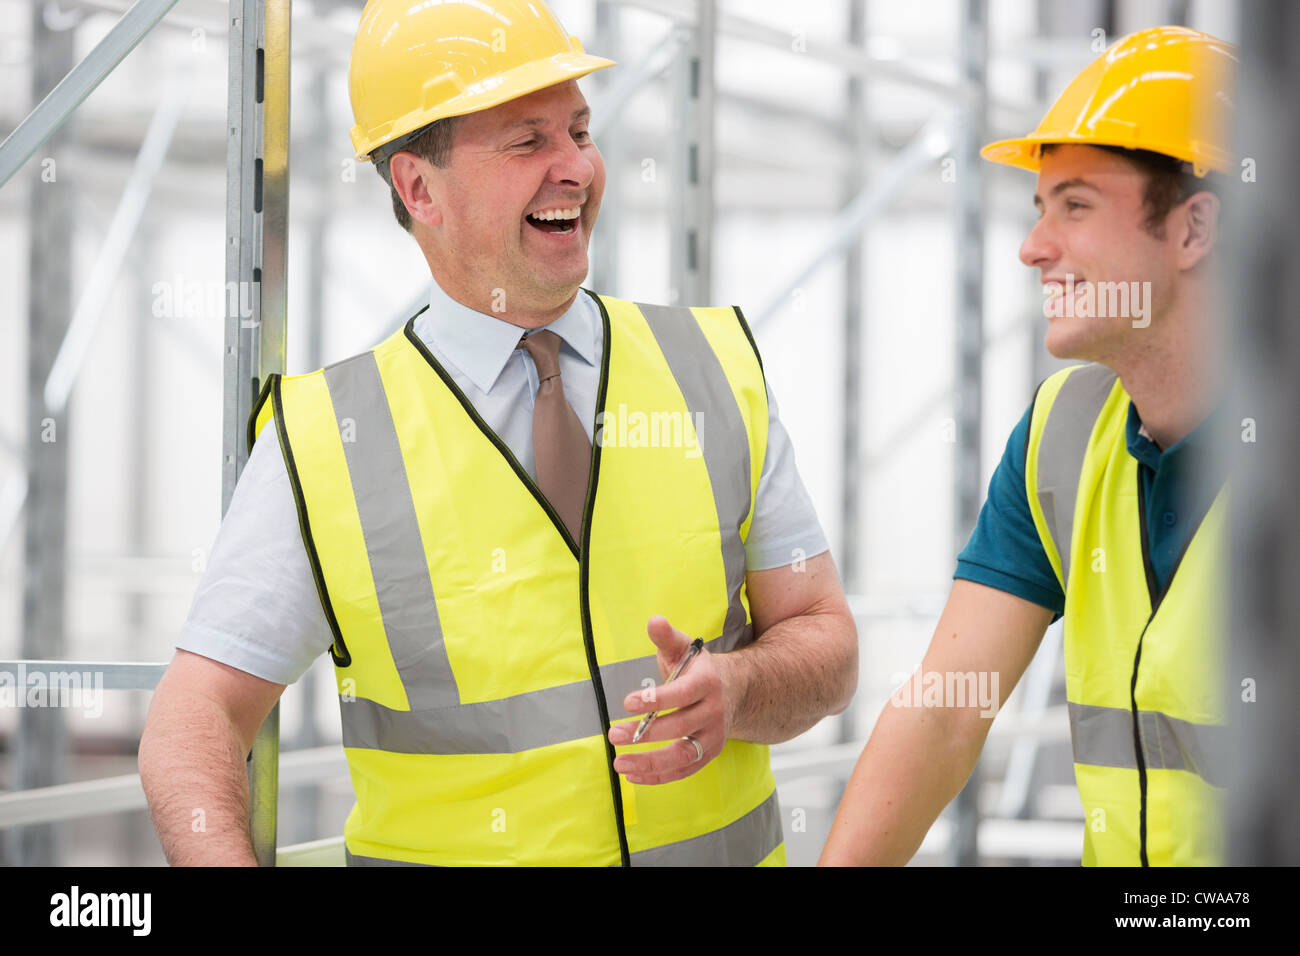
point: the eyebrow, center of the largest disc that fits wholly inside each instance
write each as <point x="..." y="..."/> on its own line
<point x="1062" y="186"/>
<point x="583" y="113"/>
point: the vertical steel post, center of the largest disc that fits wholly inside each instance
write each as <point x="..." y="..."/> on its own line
<point x="1261" y="242"/>
<point x="692" y="204"/>
<point x="257" y="203"/>
<point x="963" y="850"/>
<point x="41" y="752"/>
<point x="855" y="286"/>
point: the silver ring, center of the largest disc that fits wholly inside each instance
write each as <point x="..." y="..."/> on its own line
<point x="699" y="751"/>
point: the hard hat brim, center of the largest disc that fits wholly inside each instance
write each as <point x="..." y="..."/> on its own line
<point x="522" y="80"/>
<point x="1025" y="152"/>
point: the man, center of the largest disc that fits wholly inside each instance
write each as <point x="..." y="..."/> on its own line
<point x="498" y="504"/>
<point x="1106" y="505"/>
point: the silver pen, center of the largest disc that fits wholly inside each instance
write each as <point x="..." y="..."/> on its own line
<point x="696" y="646"/>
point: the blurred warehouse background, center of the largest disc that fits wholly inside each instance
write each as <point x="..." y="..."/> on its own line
<point x="839" y="201"/>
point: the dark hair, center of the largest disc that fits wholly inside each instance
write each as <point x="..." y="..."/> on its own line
<point x="1169" y="181"/>
<point x="431" y="143"/>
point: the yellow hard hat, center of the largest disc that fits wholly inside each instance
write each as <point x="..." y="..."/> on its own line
<point x="1166" y="89"/>
<point x="417" y="61"/>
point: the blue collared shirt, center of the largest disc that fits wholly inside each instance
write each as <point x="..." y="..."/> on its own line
<point x="256" y="607"/>
<point x="1005" y="552"/>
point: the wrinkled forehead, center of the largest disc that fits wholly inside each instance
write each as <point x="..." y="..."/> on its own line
<point x="561" y="103"/>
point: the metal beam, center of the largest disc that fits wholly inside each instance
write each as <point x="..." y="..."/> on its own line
<point x="108" y="264"/>
<point x="257" y="206"/>
<point x="1256" y="316"/>
<point x="969" y="247"/>
<point x="691" y="240"/>
<point x="53" y="111"/>
<point x="40" y="753"/>
<point x="928" y="145"/>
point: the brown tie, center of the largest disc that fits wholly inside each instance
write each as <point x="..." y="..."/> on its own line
<point x="561" y="449"/>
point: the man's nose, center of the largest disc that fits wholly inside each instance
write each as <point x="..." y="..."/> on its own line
<point x="1040" y="248"/>
<point x="571" y="165"/>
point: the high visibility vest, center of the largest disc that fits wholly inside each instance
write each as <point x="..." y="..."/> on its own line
<point x="1143" y="664"/>
<point x="480" y="651"/>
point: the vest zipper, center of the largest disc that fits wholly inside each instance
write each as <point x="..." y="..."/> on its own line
<point x="584" y="597"/>
<point x="579" y="552"/>
<point x="1156" y="595"/>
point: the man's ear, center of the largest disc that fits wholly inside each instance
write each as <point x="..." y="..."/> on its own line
<point x="1198" y="228"/>
<point x="413" y="179"/>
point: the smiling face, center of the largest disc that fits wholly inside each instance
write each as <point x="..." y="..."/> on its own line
<point x="1092" y="227"/>
<point x="506" y="223"/>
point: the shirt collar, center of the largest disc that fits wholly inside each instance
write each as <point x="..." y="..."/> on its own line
<point x="480" y="344"/>
<point x="1143" y="447"/>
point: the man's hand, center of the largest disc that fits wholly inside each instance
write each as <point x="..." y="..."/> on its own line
<point x="698" y="699"/>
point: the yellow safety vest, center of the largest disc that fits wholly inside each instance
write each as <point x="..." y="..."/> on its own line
<point x="1143" y="665"/>
<point x="480" y="651"/>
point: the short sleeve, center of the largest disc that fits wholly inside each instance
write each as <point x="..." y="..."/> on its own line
<point x="256" y="607"/>
<point x="1004" y="551"/>
<point x="785" y="526"/>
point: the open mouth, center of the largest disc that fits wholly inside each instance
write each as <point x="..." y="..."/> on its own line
<point x="555" y="220"/>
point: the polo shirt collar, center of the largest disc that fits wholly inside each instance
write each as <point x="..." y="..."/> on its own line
<point x="480" y="344"/>
<point x="1142" y="447"/>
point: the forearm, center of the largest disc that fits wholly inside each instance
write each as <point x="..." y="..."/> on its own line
<point x="915" y="762"/>
<point x="797" y="672"/>
<point x="192" y="766"/>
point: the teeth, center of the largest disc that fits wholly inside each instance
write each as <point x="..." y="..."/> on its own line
<point x="553" y="214"/>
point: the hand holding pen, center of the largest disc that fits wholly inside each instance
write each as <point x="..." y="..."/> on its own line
<point x="688" y="709"/>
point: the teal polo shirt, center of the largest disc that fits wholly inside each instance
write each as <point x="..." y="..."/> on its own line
<point x="1005" y="552"/>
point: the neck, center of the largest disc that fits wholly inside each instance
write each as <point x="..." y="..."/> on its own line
<point x="496" y="302"/>
<point x="1174" y="375"/>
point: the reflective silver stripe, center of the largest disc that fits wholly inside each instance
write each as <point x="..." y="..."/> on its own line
<point x="1103" y="737"/>
<point x="724" y="440"/>
<point x="1172" y="744"/>
<point x="392" y="533"/>
<point x="1064" y="443"/>
<point x="624" y="677"/>
<point x="354" y="860"/>
<point x="509" y="725"/>
<point x="746" y="842"/>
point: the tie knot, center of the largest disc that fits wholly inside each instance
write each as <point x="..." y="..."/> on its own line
<point x="544" y="347"/>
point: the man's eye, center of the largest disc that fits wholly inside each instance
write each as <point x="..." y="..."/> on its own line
<point x="1072" y="204"/>
<point x="527" y="144"/>
<point x="582" y="134"/>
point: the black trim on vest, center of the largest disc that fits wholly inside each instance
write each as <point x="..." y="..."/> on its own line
<point x="1157" y="596"/>
<point x="752" y="344"/>
<point x="584" y="596"/>
<point x="257" y="408"/>
<point x="1029" y="432"/>
<point x="490" y="435"/>
<point x="341" y="657"/>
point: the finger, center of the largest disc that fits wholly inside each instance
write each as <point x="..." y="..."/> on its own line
<point x="696" y="719"/>
<point x="692" y="686"/>
<point x="672" y="762"/>
<point x="670" y="642"/>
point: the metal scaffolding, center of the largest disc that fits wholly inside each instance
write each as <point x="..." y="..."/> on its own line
<point x="959" y="119"/>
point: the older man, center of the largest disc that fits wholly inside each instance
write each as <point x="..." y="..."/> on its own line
<point x="485" y="516"/>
